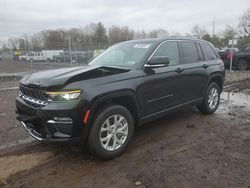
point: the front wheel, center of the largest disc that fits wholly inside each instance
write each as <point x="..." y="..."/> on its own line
<point x="211" y="99"/>
<point x="111" y="132"/>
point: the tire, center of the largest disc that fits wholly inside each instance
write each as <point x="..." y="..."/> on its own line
<point x="242" y="64"/>
<point x="208" y="107"/>
<point x="104" y="149"/>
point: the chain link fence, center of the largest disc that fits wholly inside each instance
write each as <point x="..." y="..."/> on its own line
<point x="72" y="52"/>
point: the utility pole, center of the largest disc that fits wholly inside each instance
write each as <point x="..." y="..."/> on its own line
<point x="75" y="53"/>
<point x="213" y="26"/>
<point x="232" y="47"/>
<point x="232" y="53"/>
<point x="70" y="55"/>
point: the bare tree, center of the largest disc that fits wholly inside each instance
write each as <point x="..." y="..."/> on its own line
<point x="158" y="33"/>
<point x="244" y="24"/>
<point x="13" y="43"/>
<point x="199" y="31"/>
<point x="140" y="34"/>
<point x="117" y="34"/>
<point x="100" y="36"/>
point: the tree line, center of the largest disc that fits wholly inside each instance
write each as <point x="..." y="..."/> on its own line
<point x="97" y="36"/>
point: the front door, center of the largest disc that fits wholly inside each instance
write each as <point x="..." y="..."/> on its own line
<point x="163" y="86"/>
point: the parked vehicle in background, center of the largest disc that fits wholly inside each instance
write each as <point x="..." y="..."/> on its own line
<point x="77" y="57"/>
<point x="24" y="56"/>
<point x="225" y="55"/>
<point x="35" y="56"/>
<point x="241" y="59"/>
<point x="82" y="56"/>
<point x="128" y="85"/>
<point x="44" y="55"/>
<point x="32" y="56"/>
<point x="49" y="54"/>
<point x="97" y="52"/>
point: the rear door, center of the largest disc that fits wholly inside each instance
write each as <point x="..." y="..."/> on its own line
<point x="194" y="69"/>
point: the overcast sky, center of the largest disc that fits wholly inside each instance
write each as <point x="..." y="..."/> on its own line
<point x="18" y="17"/>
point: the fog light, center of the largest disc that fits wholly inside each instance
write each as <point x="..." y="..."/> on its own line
<point x="62" y="119"/>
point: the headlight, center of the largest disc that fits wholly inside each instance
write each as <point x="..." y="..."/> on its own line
<point x="63" y="95"/>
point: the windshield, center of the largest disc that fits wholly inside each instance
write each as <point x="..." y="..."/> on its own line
<point x="122" y="55"/>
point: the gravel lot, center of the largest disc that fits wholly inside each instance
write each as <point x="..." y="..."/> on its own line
<point x="185" y="149"/>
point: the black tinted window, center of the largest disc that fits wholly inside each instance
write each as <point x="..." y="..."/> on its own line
<point x="208" y="52"/>
<point x="170" y="50"/>
<point x="200" y="52"/>
<point x="189" y="52"/>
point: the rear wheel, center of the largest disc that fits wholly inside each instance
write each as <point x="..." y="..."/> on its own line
<point x="111" y="132"/>
<point x="242" y="64"/>
<point x="211" y="100"/>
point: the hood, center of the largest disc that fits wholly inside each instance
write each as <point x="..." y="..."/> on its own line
<point x="63" y="76"/>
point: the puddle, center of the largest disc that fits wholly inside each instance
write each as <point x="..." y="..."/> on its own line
<point x="10" y="165"/>
<point x="238" y="99"/>
<point x="17" y="143"/>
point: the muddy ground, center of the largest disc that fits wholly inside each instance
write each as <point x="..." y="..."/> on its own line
<point x="185" y="149"/>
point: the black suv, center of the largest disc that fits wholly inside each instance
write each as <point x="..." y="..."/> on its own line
<point x="129" y="84"/>
<point x="241" y="59"/>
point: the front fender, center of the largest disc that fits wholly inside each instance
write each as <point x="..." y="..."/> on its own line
<point x="108" y="97"/>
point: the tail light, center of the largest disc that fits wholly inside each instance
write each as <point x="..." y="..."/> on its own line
<point x="229" y="55"/>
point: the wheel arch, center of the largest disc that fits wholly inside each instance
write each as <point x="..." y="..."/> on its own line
<point x="124" y="98"/>
<point x="217" y="78"/>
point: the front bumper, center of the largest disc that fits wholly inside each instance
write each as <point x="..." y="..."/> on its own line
<point x="57" y="121"/>
<point x="38" y="136"/>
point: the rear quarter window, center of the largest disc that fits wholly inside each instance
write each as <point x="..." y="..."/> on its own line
<point x="208" y="52"/>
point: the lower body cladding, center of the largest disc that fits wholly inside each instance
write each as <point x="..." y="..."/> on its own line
<point x="62" y="121"/>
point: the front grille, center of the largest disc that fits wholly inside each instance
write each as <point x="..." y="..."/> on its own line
<point x="33" y="95"/>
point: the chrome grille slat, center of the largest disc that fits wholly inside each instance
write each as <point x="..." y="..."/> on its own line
<point x="33" y="95"/>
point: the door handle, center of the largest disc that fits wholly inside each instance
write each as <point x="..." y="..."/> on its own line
<point x="179" y="70"/>
<point x="204" y="66"/>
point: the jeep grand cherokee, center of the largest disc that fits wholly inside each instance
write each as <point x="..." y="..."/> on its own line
<point x="129" y="84"/>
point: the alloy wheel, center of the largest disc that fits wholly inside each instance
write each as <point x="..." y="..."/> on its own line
<point x="114" y="132"/>
<point x="242" y="65"/>
<point x="213" y="98"/>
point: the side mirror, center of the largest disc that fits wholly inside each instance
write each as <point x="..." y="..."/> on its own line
<point x="156" y="62"/>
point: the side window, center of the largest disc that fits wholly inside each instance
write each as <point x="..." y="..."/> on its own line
<point x="208" y="52"/>
<point x="189" y="52"/>
<point x="170" y="50"/>
<point x="200" y="52"/>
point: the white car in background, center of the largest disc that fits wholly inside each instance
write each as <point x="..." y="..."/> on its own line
<point x="36" y="56"/>
<point x="49" y="54"/>
<point x="44" y="55"/>
<point x="32" y="56"/>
